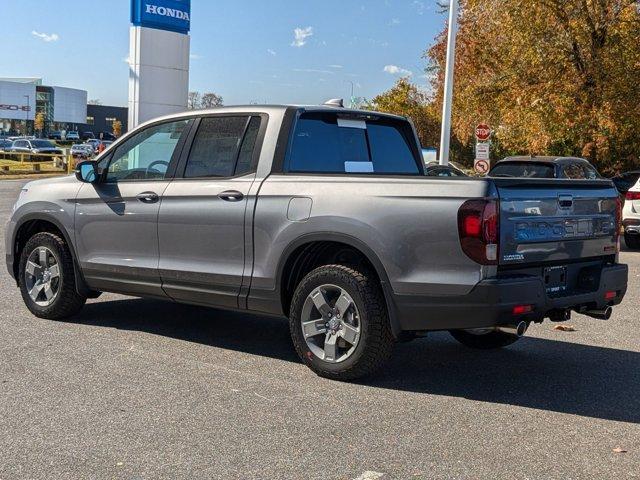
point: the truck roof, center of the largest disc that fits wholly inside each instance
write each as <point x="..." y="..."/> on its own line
<point x="276" y="108"/>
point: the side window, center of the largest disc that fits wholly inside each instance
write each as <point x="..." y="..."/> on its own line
<point x="215" y="147"/>
<point x="245" y="158"/>
<point x="324" y="143"/>
<point x="146" y="155"/>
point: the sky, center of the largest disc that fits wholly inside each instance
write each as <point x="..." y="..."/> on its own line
<point x="262" y="51"/>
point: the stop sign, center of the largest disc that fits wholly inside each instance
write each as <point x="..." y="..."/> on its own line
<point x="483" y="132"/>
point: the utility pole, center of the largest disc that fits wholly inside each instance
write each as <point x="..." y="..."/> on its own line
<point x="26" y="120"/>
<point x="445" y="135"/>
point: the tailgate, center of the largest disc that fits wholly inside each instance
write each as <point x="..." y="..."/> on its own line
<point x="556" y="220"/>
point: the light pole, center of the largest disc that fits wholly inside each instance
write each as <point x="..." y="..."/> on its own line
<point x="351" y="103"/>
<point x="26" y="120"/>
<point x="445" y="134"/>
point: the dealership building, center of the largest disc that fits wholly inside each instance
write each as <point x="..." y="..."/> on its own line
<point x="62" y="108"/>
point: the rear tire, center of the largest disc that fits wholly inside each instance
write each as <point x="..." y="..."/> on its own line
<point x="351" y="301"/>
<point x="46" y="277"/>
<point x="484" y="341"/>
<point x="632" y="241"/>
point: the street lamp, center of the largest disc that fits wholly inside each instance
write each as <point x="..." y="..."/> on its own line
<point x="445" y="134"/>
<point x="26" y="120"/>
<point x="352" y="103"/>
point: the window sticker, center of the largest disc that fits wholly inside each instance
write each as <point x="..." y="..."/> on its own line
<point x="358" y="167"/>
<point x="345" y="122"/>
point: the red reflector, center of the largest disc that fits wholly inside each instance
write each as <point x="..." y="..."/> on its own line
<point x="610" y="295"/>
<point x="520" y="309"/>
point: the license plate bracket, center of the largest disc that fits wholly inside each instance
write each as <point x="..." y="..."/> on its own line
<point x="555" y="279"/>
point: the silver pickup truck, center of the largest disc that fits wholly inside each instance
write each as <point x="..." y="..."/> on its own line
<point x="323" y="215"/>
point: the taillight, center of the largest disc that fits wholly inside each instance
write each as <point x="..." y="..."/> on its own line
<point x="479" y="230"/>
<point x="632" y="196"/>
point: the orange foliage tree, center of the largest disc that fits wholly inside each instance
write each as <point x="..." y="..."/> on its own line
<point x="554" y="77"/>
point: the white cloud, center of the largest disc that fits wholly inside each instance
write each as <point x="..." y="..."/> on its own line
<point x="314" y="70"/>
<point x="419" y="7"/>
<point x="54" y="37"/>
<point x="394" y="22"/>
<point x="270" y="51"/>
<point x="195" y="56"/>
<point x="126" y="59"/>
<point x="300" y="36"/>
<point x="396" y="70"/>
<point x="335" y="65"/>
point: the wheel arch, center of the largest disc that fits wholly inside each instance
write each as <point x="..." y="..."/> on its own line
<point x="31" y="224"/>
<point x="295" y="251"/>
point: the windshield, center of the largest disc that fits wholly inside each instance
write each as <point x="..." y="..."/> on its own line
<point x="523" y="169"/>
<point x="42" y="144"/>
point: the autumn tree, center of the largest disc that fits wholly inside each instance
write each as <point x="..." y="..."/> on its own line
<point x="406" y="99"/>
<point x="551" y="76"/>
<point x="38" y="123"/>
<point x="116" y="128"/>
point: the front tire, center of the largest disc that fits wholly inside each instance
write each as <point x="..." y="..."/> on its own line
<point x="632" y="241"/>
<point x="47" y="278"/>
<point x="339" y="323"/>
<point x="483" y="341"/>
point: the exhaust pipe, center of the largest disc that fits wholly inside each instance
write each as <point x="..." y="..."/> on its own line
<point x="600" y="314"/>
<point x="517" y="330"/>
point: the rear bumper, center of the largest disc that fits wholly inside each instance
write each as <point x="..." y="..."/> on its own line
<point x="491" y="302"/>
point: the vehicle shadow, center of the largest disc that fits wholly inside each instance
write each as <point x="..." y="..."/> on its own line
<point x="537" y="373"/>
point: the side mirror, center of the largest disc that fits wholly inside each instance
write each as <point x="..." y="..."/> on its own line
<point x="87" y="172"/>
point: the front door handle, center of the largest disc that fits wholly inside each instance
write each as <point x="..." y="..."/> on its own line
<point x="148" y="197"/>
<point x="231" y="196"/>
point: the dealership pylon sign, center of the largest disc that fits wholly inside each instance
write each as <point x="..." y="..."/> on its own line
<point x="158" y="58"/>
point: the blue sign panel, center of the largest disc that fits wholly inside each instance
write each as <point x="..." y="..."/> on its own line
<point x="172" y="15"/>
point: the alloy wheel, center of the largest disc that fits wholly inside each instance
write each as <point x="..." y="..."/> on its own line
<point x="330" y="323"/>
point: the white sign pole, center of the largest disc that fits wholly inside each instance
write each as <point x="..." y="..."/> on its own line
<point x="445" y="135"/>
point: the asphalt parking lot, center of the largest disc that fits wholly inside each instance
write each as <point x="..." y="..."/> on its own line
<point x="146" y="389"/>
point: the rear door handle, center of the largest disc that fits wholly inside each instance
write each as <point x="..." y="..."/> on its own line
<point x="148" y="197"/>
<point x="231" y="196"/>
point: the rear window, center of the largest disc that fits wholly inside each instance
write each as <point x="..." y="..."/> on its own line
<point x="523" y="169"/>
<point x="579" y="171"/>
<point x="324" y="143"/>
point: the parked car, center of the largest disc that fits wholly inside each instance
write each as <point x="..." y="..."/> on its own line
<point x="631" y="216"/>
<point x="95" y="144"/>
<point x="37" y="150"/>
<point x="55" y="135"/>
<point x="625" y="181"/>
<point x="106" y="136"/>
<point x="86" y="136"/>
<point x="72" y="136"/>
<point x="545" y="167"/>
<point x="434" y="169"/>
<point x="82" y="150"/>
<point x="324" y="215"/>
<point x="5" y="145"/>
